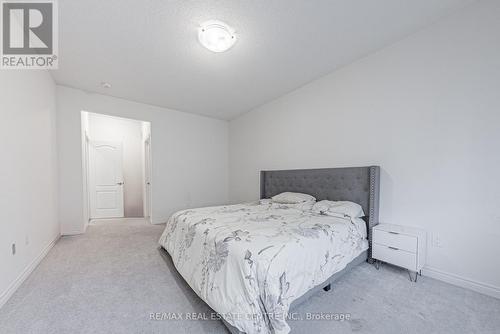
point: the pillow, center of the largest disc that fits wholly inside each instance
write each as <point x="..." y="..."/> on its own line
<point x="304" y="206"/>
<point x="292" y="198"/>
<point x="339" y="208"/>
<point x="265" y="201"/>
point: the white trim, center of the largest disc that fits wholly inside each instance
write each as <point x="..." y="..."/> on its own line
<point x="157" y="223"/>
<point x="93" y="221"/>
<point x="463" y="282"/>
<point x="5" y="296"/>
<point x="73" y="232"/>
<point x="147" y="176"/>
<point x="85" y="169"/>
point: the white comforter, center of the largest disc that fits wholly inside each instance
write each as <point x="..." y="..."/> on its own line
<point x="249" y="262"/>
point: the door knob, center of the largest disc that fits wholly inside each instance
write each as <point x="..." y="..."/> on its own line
<point x="119" y="183"/>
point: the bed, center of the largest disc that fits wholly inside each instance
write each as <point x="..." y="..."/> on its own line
<point x="252" y="263"/>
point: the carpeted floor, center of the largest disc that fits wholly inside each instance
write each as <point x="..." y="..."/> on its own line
<point x="111" y="279"/>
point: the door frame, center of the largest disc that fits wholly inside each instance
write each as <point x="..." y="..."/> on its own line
<point x="85" y="142"/>
<point x="147" y="180"/>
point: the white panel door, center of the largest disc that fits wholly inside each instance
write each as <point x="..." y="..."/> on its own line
<point x="106" y="180"/>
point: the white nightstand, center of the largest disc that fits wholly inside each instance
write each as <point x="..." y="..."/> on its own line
<point x="402" y="246"/>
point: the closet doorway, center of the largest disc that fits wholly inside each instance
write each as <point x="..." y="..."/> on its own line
<point x="116" y="167"/>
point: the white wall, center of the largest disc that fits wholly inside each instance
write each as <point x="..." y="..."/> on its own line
<point x="189" y="153"/>
<point x="427" y="110"/>
<point x="129" y="133"/>
<point x="28" y="199"/>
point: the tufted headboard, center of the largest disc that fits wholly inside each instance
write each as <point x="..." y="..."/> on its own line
<point x="356" y="184"/>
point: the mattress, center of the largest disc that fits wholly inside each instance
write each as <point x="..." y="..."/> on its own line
<point x="250" y="261"/>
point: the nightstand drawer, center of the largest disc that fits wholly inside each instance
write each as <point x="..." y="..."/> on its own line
<point x="394" y="256"/>
<point x="397" y="240"/>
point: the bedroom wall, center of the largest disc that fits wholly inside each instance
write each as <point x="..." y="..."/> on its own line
<point x="129" y="133"/>
<point x="427" y="111"/>
<point x="28" y="199"/>
<point x="189" y="155"/>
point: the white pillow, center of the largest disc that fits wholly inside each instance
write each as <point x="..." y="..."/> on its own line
<point x="265" y="201"/>
<point x="292" y="198"/>
<point x="304" y="206"/>
<point x="339" y="208"/>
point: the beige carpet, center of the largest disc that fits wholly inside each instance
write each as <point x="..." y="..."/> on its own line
<point x="111" y="279"/>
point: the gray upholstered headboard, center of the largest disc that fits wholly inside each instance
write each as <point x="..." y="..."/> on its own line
<point x="356" y="184"/>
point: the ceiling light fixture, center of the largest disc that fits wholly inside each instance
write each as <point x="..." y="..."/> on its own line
<point x="105" y="84"/>
<point x="216" y="36"/>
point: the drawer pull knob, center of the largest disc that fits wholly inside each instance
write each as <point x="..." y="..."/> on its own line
<point x="393" y="232"/>
<point x="393" y="248"/>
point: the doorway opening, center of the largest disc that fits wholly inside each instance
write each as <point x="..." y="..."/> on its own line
<point x="116" y="165"/>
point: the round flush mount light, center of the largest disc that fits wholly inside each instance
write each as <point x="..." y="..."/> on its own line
<point x="216" y="36"/>
<point x="105" y="84"/>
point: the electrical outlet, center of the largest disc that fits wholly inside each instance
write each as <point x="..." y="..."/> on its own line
<point x="13" y="249"/>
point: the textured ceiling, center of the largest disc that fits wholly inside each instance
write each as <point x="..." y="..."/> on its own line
<point x="148" y="49"/>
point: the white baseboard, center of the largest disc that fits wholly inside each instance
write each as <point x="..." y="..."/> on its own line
<point x="74" y="232"/>
<point x="5" y="296"/>
<point x="483" y="288"/>
<point x="157" y="223"/>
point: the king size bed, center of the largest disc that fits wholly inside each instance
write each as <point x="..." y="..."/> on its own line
<point x="252" y="263"/>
